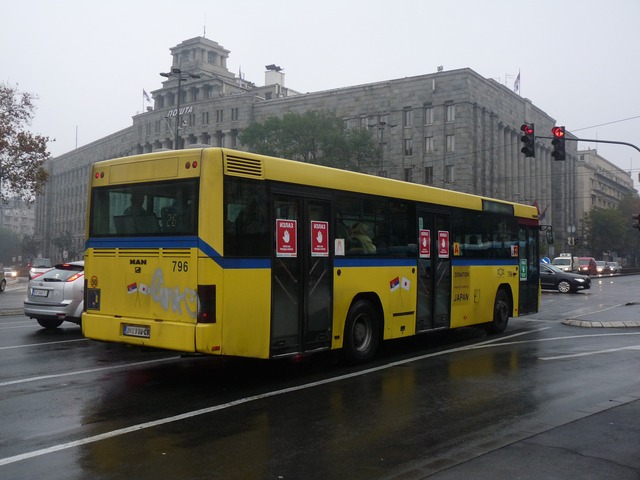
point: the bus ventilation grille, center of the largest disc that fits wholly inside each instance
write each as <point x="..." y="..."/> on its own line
<point x="243" y="167"/>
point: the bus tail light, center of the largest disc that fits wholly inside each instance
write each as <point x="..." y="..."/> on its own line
<point x="206" y="304"/>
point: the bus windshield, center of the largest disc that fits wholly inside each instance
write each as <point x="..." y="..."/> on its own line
<point x="160" y="208"/>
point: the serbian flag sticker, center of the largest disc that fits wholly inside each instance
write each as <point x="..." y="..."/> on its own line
<point x="394" y="284"/>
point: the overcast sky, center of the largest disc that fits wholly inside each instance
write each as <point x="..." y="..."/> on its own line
<point x="89" y="61"/>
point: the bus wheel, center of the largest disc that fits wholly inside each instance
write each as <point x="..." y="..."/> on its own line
<point x="49" y="323"/>
<point x="361" y="333"/>
<point x="501" y="312"/>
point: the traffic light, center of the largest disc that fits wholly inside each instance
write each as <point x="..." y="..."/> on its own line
<point x="558" y="143"/>
<point x="636" y="220"/>
<point x="528" y="140"/>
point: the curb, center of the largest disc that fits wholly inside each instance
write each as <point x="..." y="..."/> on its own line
<point x="583" y="323"/>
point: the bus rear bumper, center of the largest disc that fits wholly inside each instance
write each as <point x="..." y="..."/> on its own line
<point x="179" y="336"/>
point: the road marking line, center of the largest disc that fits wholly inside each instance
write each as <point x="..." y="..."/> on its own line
<point x="81" y="372"/>
<point x="43" y="344"/>
<point x="585" y="354"/>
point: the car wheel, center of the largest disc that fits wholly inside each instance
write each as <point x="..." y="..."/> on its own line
<point x="564" y="286"/>
<point x="49" y="323"/>
<point x="501" y="312"/>
<point x="361" y="332"/>
<point x="3" y="285"/>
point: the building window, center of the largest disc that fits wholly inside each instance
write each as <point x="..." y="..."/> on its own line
<point x="407" y="115"/>
<point x="451" y="113"/>
<point x="408" y="147"/>
<point x="192" y="120"/>
<point x="364" y="123"/>
<point x="234" y="114"/>
<point x="428" y="145"/>
<point x="408" y="174"/>
<point x="428" y="115"/>
<point x="451" y="143"/>
<point x="205" y="118"/>
<point x="219" y="116"/>
<point x="448" y="174"/>
<point x="428" y="175"/>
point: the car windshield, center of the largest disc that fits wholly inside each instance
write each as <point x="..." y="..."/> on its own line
<point x="42" y="263"/>
<point x="562" y="261"/>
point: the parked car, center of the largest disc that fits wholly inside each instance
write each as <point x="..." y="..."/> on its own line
<point x="552" y="277"/>
<point x="10" y="272"/>
<point x="603" y="267"/>
<point x="615" y="267"/>
<point x="39" y="265"/>
<point x="587" y="266"/>
<point x="3" y="282"/>
<point x="56" y="295"/>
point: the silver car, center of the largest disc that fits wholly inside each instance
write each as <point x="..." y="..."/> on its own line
<point x="57" y="295"/>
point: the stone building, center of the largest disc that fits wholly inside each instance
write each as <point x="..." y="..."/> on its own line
<point x="452" y="129"/>
<point x="600" y="183"/>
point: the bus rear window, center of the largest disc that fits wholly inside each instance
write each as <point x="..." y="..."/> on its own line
<point x="160" y="208"/>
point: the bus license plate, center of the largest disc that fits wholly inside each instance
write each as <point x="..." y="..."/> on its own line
<point x="137" y="331"/>
<point x="36" y="292"/>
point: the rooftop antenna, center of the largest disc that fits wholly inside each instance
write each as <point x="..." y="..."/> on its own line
<point x="204" y="32"/>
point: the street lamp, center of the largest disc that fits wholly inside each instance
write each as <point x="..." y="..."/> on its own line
<point x="180" y="75"/>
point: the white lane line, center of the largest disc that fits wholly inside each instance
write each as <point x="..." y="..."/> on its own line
<point x="585" y="354"/>
<point x="82" y="372"/>
<point x="240" y="401"/>
<point x="43" y="344"/>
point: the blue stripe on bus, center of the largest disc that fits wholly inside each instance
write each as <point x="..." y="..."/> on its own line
<point x="246" y="263"/>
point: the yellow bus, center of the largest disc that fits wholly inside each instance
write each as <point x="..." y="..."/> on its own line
<point x="225" y="252"/>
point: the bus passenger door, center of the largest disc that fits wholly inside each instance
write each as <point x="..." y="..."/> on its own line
<point x="301" y="276"/>
<point x="434" y="272"/>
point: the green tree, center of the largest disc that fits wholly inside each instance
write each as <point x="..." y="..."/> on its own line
<point x="604" y="230"/>
<point x="314" y="137"/>
<point x="22" y="154"/>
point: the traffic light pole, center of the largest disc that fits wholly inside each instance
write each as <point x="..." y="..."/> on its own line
<point x="593" y="140"/>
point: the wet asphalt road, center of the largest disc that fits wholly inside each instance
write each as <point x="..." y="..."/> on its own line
<point x="542" y="400"/>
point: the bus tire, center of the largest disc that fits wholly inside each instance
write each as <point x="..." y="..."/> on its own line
<point x="501" y="312"/>
<point x="361" y="332"/>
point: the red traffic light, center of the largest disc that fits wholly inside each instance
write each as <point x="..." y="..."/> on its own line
<point x="558" y="132"/>
<point x="527" y="129"/>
